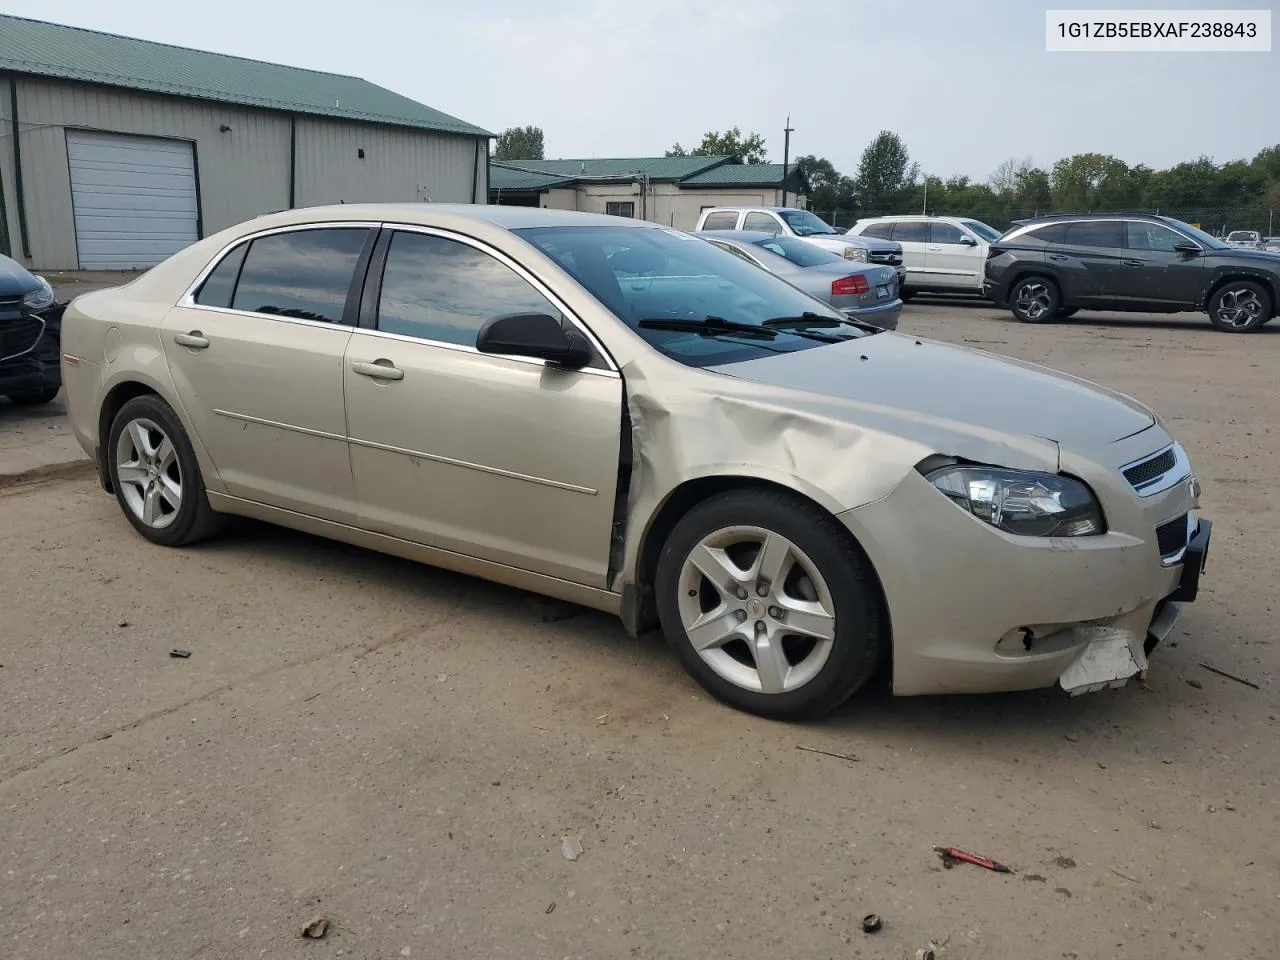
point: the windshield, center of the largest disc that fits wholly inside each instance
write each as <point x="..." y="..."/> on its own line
<point x="798" y="252"/>
<point x="805" y="224"/>
<point x="650" y="274"/>
<point x="986" y="232"/>
<point x="1208" y="240"/>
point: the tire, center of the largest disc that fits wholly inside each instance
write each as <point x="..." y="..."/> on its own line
<point x="1063" y="312"/>
<point x="1240" y="306"/>
<point x="1035" y="299"/>
<point x="35" y="398"/>
<point x="828" y="586"/>
<point x="161" y="491"/>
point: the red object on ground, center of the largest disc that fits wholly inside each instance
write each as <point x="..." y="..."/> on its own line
<point x="955" y="853"/>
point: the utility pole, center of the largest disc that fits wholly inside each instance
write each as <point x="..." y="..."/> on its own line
<point x="786" y="156"/>
<point x="924" y="208"/>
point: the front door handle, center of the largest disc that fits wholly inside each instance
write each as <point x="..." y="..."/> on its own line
<point x="195" y="340"/>
<point x="380" y="369"/>
<point x="1134" y="263"/>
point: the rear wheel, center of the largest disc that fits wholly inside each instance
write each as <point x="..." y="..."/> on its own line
<point x="770" y="605"/>
<point x="1035" y="300"/>
<point x="1239" y="306"/>
<point x="35" y="397"/>
<point x="156" y="476"/>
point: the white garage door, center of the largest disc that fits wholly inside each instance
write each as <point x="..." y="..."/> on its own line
<point x="134" y="197"/>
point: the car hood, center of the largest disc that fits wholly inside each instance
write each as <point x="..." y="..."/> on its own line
<point x="967" y="390"/>
<point x="15" y="279"/>
<point x="1249" y="254"/>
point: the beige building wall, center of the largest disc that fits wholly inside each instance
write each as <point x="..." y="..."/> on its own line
<point x="665" y="203"/>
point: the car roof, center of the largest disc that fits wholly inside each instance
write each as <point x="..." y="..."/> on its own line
<point x="750" y="207"/>
<point x="913" y="216"/>
<point x="1068" y="217"/>
<point x="442" y="214"/>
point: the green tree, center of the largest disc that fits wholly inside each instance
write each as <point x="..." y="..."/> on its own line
<point x="519" y="143"/>
<point x="1005" y="178"/>
<point x="828" y="188"/>
<point x="1035" y="192"/>
<point x="731" y="143"/>
<point x="885" y="173"/>
<point x="1078" y="180"/>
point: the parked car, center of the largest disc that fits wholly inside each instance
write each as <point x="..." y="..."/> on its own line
<point x="1049" y="267"/>
<point x="1271" y="244"/>
<point x="941" y="254"/>
<point x="806" y="226"/>
<point x="865" y="292"/>
<point x="30" y="321"/>
<point x="621" y="415"/>
<point x="1249" y="239"/>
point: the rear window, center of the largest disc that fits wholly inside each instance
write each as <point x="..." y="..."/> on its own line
<point x="1096" y="233"/>
<point x="725" y="220"/>
<point x="799" y="252"/>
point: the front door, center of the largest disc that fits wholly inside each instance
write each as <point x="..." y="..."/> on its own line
<point x="1155" y="272"/>
<point x="501" y="458"/>
<point x="953" y="258"/>
<point x="256" y="356"/>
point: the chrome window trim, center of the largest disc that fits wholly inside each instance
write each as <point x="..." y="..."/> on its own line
<point x="1113" y="218"/>
<point x="522" y="272"/>
<point x="34" y="343"/>
<point x="462" y="348"/>
<point x="1180" y="471"/>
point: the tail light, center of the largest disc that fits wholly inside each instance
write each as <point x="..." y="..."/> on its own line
<point x="847" y="286"/>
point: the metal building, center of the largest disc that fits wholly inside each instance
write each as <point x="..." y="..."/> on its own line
<point x="116" y="152"/>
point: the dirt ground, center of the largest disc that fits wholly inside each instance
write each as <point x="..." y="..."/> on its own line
<point x="403" y="750"/>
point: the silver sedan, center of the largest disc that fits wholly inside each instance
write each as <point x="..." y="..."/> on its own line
<point x="866" y="292"/>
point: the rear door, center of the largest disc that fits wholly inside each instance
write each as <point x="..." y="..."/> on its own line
<point x="1088" y="264"/>
<point x="256" y="356"/>
<point x="951" y="262"/>
<point x="914" y="237"/>
<point x="1155" y="272"/>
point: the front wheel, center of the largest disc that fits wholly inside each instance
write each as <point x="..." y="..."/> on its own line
<point x="34" y="398"/>
<point x="1034" y="300"/>
<point x="770" y="605"/>
<point x="156" y="476"/>
<point x="1240" y="306"/>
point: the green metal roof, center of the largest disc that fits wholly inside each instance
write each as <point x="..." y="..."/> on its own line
<point x="509" y="178"/>
<point x="661" y="169"/>
<point x="745" y="175"/>
<point x="70" y="53"/>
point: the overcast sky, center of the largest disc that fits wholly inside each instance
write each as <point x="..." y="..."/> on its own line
<point x="966" y="84"/>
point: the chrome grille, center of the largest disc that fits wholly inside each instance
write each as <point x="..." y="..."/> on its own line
<point x="1146" y="471"/>
<point x="890" y="259"/>
<point x="1171" y="536"/>
<point x="19" y="336"/>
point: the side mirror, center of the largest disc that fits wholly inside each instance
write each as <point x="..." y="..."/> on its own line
<point x="533" y="335"/>
<point x="968" y="241"/>
<point x="1187" y="247"/>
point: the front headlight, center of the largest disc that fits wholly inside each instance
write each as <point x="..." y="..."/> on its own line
<point x="855" y="253"/>
<point x="1026" y="504"/>
<point x="40" y="298"/>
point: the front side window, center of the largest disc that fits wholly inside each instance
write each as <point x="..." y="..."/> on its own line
<point x="434" y="288"/>
<point x="881" y="231"/>
<point x="1095" y="233"/>
<point x="763" y="222"/>
<point x="911" y="231"/>
<point x="805" y="224"/>
<point x="616" y="208"/>
<point x="220" y="286"/>
<point x="659" y="275"/>
<point x="304" y="274"/>
<point x="724" y="220"/>
<point x="1152" y="236"/>
<point x="940" y="232"/>
<point x="1202" y="238"/>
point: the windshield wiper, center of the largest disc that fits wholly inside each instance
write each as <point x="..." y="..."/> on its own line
<point x="807" y="319"/>
<point x="708" y="326"/>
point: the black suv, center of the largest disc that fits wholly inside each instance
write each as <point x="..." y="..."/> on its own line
<point x="30" y="328"/>
<point x="1047" y="268"/>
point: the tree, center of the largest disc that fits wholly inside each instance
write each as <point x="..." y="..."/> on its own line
<point x="885" y="173"/>
<point x="1005" y="178"/>
<point x="828" y="188"/>
<point x="519" y="143"/>
<point x="1035" y="192"/>
<point x="1078" y="181"/>
<point x="731" y="143"/>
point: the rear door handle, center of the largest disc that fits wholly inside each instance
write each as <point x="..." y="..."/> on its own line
<point x="380" y="369"/>
<point x="1134" y="263"/>
<point x="195" y="340"/>
<point x="1057" y="256"/>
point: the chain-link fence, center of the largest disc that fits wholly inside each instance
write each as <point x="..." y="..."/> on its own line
<point x="1215" y="220"/>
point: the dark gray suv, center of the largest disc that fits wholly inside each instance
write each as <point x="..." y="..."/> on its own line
<point x="1049" y="267"/>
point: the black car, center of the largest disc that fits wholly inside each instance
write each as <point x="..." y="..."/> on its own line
<point x="1047" y="268"/>
<point x="30" y="336"/>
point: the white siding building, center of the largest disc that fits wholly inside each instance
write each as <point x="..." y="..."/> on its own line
<point x="116" y="152"/>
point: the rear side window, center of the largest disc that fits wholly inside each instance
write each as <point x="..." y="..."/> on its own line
<point x="305" y="274"/>
<point x="879" y="230"/>
<point x="944" y="233"/>
<point x="1096" y="233"/>
<point x="1054" y="233"/>
<point x="220" y="286"/>
<point x="724" y="220"/>
<point x="911" y="231"/>
<point x="761" y="221"/>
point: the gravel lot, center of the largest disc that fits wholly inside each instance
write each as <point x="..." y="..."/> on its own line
<point x="403" y="750"/>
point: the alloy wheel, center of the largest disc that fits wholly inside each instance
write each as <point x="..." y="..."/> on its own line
<point x="1239" y="307"/>
<point x="756" y="609"/>
<point x="1034" y="300"/>
<point x="149" y="473"/>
